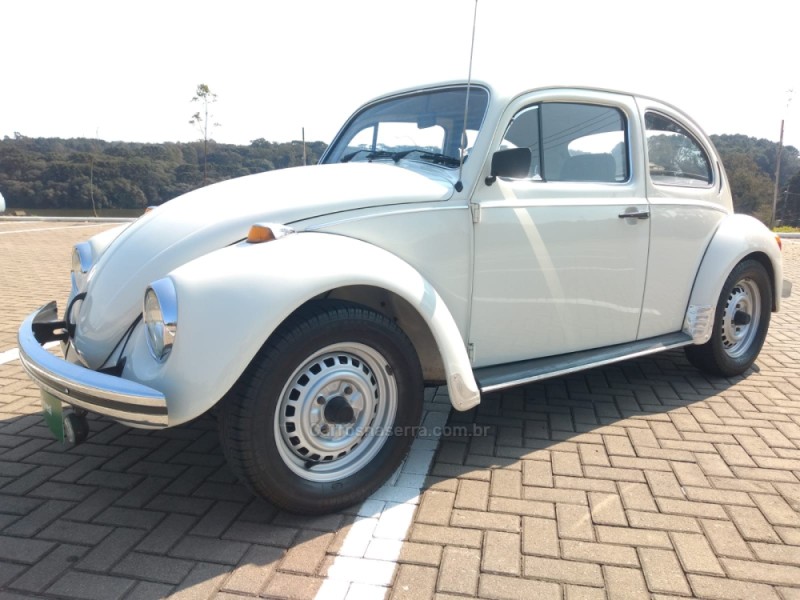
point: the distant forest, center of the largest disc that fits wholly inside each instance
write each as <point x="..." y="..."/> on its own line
<point x="51" y="173"/>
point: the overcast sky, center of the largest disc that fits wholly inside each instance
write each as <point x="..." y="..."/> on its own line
<point x="123" y="70"/>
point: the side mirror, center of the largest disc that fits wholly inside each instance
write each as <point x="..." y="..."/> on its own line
<point x="514" y="163"/>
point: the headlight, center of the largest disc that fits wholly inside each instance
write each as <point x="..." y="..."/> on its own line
<point x="160" y="317"/>
<point x="81" y="265"/>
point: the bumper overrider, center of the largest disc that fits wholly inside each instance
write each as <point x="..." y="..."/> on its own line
<point x="121" y="399"/>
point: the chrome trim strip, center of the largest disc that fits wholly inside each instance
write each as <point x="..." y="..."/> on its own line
<point x="104" y="394"/>
<point x="680" y="340"/>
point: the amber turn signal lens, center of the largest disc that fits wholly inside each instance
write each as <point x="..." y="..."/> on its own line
<point x="259" y="234"/>
<point x="779" y="241"/>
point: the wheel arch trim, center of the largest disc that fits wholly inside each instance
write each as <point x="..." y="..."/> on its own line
<point x="738" y="237"/>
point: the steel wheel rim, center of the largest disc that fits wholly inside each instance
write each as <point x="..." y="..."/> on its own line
<point x="312" y="439"/>
<point x="745" y="297"/>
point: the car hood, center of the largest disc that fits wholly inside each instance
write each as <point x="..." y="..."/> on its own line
<point x="221" y="214"/>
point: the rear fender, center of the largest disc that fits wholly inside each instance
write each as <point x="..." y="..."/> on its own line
<point x="737" y="238"/>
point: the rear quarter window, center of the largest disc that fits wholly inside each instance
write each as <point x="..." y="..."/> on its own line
<point x="675" y="157"/>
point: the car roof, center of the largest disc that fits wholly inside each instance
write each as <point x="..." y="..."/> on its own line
<point x="504" y="90"/>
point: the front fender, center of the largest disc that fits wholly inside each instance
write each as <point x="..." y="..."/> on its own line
<point x="737" y="237"/>
<point x="231" y="300"/>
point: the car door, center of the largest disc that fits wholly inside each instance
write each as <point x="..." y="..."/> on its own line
<point x="558" y="266"/>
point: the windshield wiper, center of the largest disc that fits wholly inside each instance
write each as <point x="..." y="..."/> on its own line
<point x="436" y="158"/>
<point x="373" y="154"/>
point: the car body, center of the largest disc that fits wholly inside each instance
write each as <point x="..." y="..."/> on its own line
<point x="453" y="234"/>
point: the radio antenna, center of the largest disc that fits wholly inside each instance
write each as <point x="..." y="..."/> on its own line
<point x="463" y="146"/>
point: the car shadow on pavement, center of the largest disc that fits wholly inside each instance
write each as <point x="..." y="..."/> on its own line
<point x="509" y="425"/>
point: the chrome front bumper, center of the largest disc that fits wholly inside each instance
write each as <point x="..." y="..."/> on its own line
<point x="121" y="399"/>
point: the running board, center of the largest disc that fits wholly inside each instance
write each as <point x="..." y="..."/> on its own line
<point x="497" y="377"/>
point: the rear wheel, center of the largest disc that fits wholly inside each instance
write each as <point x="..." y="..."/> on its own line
<point x="740" y="323"/>
<point x="325" y="412"/>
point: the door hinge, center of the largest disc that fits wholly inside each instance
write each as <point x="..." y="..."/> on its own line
<point x="471" y="352"/>
<point x="476" y="212"/>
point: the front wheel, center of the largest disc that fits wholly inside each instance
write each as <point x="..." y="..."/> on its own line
<point x="326" y="411"/>
<point x="741" y="321"/>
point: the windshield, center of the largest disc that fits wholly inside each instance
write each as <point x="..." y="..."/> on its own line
<point x="423" y="126"/>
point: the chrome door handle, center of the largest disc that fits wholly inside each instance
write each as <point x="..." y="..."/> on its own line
<point x="632" y="213"/>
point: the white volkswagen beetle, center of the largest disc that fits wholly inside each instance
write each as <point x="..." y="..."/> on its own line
<point x="453" y="234"/>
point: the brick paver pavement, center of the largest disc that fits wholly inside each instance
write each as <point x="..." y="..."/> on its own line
<point x="644" y="479"/>
<point x="35" y="258"/>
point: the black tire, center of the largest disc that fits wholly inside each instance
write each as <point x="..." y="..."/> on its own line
<point x="76" y="427"/>
<point x="310" y="425"/>
<point x="734" y="344"/>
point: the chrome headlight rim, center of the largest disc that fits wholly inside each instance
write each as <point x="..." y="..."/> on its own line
<point x="82" y="263"/>
<point x="160" y="317"/>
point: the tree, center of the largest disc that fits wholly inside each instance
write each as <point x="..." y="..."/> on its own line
<point x="200" y="120"/>
<point x="789" y="203"/>
<point x="763" y="152"/>
<point x="751" y="187"/>
<point x="750" y="164"/>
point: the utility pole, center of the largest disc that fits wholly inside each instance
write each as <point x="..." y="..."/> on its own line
<point x="777" y="179"/>
<point x="778" y="167"/>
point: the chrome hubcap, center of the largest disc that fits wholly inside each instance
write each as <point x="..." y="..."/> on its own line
<point x="334" y="412"/>
<point x="741" y="317"/>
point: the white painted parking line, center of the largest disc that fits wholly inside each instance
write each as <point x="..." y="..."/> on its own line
<point x="9" y="355"/>
<point x="53" y="228"/>
<point x="367" y="559"/>
<point x="13" y="354"/>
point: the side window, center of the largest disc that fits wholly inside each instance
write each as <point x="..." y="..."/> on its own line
<point x="676" y="158"/>
<point x="571" y="142"/>
<point x="584" y="142"/>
